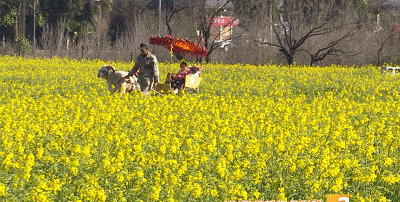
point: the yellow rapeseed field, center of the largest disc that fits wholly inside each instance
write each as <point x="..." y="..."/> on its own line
<point x="252" y="132"/>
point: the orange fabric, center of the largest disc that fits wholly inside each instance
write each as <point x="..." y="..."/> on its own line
<point x="180" y="46"/>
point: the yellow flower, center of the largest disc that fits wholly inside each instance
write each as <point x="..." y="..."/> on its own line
<point x="74" y="170"/>
<point x="120" y="178"/>
<point x="214" y="192"/>
<point x="388" y="162"/>
<point x="197" y="190"/>
<point x="256" y="195"/>
<point x="3" y="189"/>
<point x="285" y="129"/>
<point x="382" y="199"/>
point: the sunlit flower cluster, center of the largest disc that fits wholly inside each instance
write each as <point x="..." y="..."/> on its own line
<point x="252" y="132"/>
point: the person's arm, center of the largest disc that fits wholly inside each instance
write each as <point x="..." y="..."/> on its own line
<point x="133" y="70"/>
<point x="180" y="75"/>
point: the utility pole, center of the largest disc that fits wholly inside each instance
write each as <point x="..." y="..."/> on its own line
<point x="159" y="17"/>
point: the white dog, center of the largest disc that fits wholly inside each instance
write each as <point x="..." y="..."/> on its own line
<point x="116" y="81"/>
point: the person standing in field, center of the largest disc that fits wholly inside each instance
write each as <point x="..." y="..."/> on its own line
<point x="147" y="65"/>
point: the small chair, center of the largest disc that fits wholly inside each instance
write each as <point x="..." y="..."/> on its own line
<point x="192" y="83"/>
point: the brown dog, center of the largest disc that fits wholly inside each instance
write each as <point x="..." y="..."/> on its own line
<point x="116" y="81"/>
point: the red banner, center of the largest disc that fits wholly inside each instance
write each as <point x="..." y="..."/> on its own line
<point x="224" y="22"/>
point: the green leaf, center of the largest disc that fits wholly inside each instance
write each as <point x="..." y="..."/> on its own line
<point x="9" y="18"/>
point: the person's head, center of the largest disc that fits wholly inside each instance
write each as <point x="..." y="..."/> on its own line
<point x="144" y="48"/>
<point x="184" y="65"/>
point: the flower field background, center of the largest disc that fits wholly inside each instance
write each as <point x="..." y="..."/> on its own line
<point x="252" y="132"/>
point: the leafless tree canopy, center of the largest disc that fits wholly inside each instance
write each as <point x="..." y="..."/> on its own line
<point x="307" y="32"/>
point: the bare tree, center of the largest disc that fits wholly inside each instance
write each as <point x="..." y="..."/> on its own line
<point x="53" y="37"/>
<point x="127" y="18"/>
<point x="389" y="36"/>
<point x="169" y="14"/>
<point x="299" y="22"/>
<point x="331" y="49"/>
<point x="206" y="24"/>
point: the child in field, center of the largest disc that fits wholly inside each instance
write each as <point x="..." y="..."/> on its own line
<point x="178" y="80"/>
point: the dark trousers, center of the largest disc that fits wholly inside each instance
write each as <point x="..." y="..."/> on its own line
<point x="145" y="83"/>
<point x="177" y="84"/>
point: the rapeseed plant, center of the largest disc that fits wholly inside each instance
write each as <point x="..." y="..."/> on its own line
<point x="252" y="132"/>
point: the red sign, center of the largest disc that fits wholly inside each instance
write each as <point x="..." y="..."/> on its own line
<point x="224" y="22"/>
<point x="396" y="29"/>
